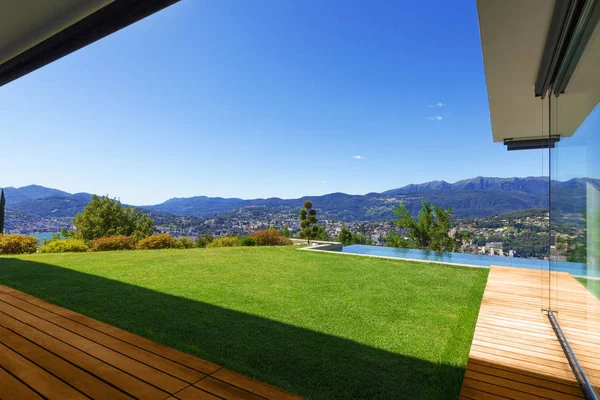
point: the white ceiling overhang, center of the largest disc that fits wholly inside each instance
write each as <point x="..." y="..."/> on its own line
<point x="34" y="33"/>
<point x="26" y="23"/>
<point x="513" y="36"/>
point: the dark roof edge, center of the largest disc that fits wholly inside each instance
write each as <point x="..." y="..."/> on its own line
<point x="564" y="20"/>
<point x="109" y="19"/>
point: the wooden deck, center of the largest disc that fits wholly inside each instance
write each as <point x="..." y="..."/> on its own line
<point x="515" y="353"/>
<point x="49" y="352"/>
<point x="579" y="318"/>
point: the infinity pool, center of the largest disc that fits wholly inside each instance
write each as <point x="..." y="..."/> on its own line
<point x="469" y="259"/>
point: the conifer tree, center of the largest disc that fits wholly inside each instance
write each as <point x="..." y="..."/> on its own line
<point x="2" y="206"/>
<point x="308" y="222"/>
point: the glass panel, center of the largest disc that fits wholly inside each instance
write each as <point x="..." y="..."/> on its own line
<point x="575" y="199"/>
<point x="551" y="282"/>
<point x="548" y="290"/>
<point x="575" y="234"/>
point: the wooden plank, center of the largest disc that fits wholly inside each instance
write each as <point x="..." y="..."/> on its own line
<point x="84" y="382"/>
<point x="50" y="352"/>
<point x="517" y="340"/>
<point x="523" y="350"/>
<point x="12" y="388"/>
<point x="507" y="332"/>
<point x="529" y="326"/>
<point x="164" y="351"/>
<point x="148" y="374"/>
<point x="253" y="386"/>
<point x="35" y="377"/>
<point x="526" y="366"/>
<point x="193" y="393"/>
<point x="555" y="363"/>
<point x="499" y="390"/>
<point x="177" y="370"/>
<point x="494" y="379"/>
<point x="106" y="372"/>
<point x="224" y="390"/>
<point x="475" y="394"/>
<point x="516" y="375"/>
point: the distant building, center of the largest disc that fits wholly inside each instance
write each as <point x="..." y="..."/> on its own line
<point x="495" y="245"/>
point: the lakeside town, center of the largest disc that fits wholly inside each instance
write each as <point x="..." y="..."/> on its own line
<point x="515" y="234"/>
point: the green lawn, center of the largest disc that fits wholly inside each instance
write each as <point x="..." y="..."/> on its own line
<point x="324" y="326"/>
<point x="593" y="285"/>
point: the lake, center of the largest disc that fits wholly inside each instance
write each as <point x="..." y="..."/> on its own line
<point x="43" y="236"/>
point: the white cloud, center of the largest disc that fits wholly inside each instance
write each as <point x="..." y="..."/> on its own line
<point x="357" y="157"/>
<point x="323" y="182"/>
<point x="436" y="118"/>
<point x="440" y="105"/>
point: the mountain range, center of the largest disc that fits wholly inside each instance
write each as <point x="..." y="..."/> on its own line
<point x="475" y="197"/>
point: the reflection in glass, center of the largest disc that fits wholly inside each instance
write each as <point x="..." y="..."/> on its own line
<point x="575" y="234"/>
<point x="575" y="198"/>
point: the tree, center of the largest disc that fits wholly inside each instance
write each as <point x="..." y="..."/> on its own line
<point x="359" y="238"/>
<point x="308" y="222"/>
<point x="345" y="236"/>
<point x="104" y="216"/>
<point x="321" y="233"/>
<point x="286" y="231"/>
<point x="2" y="205"/>
<point x="431" y="231"/>
<point x="204" y="240"/>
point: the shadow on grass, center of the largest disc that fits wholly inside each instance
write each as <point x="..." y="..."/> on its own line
<point x="305" y="362"/>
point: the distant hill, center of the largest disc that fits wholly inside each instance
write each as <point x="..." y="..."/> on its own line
<point x="530" y="185"/>
<point x="31" y="192"/>
<point x="54" y="206"/>
<point x="475" y="197"/>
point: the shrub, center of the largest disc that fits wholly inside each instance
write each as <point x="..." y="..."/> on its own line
<point x="112" y="243"/>
<point x="137" y="236"/>
<point x="64" y="246"/>
<point x="184" y="243"/>
<point x="247" y="241"/>
<point x="103" y="217"/>
<point x="202" y="241"/>
<point x="17" y="244"/>
<point x="154" y="242"/>
<point x="270" y="237"/>
<point x="232" y="241"/>
<point x="55" y="236"/>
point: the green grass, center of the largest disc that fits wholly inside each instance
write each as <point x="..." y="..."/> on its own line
<point x="324" y="326"/>
<point x="593" y="285"/>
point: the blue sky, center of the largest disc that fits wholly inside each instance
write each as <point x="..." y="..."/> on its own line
<point x="257" y="99"/>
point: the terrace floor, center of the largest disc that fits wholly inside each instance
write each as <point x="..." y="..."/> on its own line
<point x="515" y="353"/>
<point x="50" y="352"/>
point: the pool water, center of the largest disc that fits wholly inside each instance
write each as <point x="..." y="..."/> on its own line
<point x="470" y="259"/>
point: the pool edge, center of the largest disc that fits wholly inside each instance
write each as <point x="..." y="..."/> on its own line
<point x="316" y="249"/>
